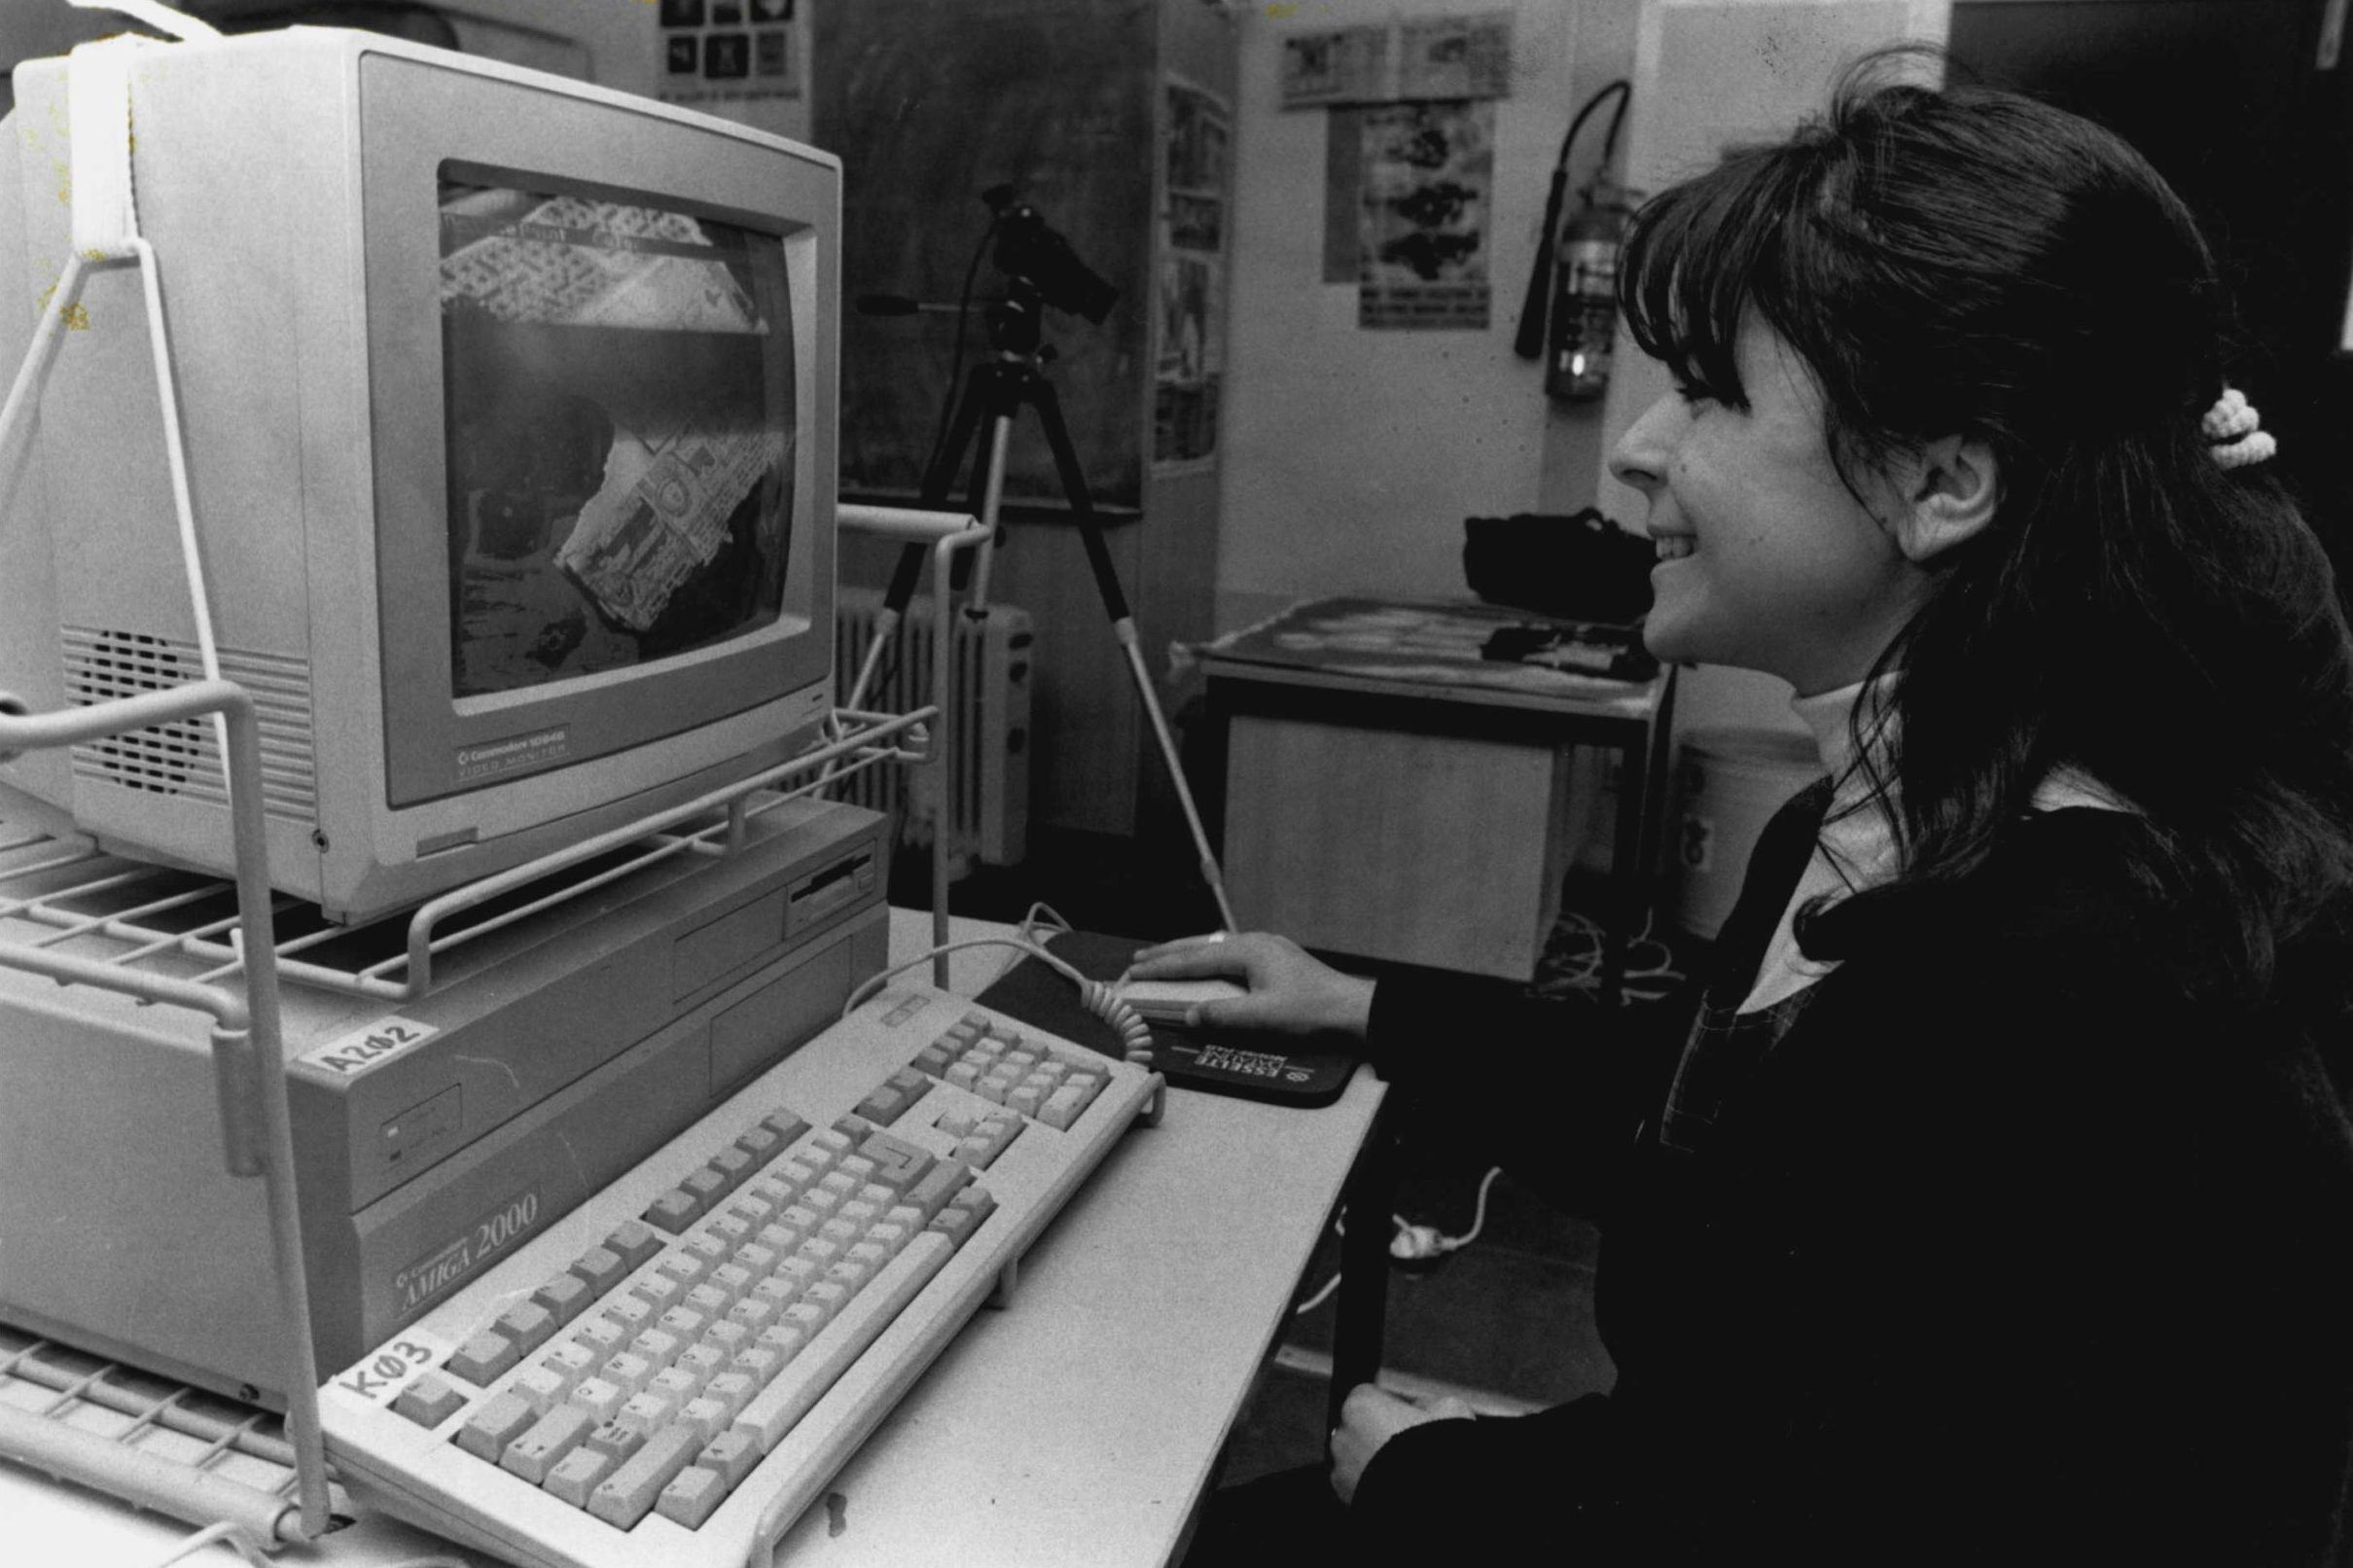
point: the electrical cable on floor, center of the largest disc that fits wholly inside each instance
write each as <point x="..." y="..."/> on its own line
<point x="1323" y="1292"/>
<point x="1574" y="964"/>
<point x="1423" y="1243"/>
<point x="1318" y="1298"/>
<point x="1411" y="1244"/>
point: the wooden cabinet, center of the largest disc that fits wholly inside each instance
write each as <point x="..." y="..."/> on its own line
<point x="1111" y="118"/>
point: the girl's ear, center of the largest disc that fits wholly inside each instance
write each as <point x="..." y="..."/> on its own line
<point x="1951" y="492"/>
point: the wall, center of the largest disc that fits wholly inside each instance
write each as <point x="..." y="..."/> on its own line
<point x="1353" y="456"/>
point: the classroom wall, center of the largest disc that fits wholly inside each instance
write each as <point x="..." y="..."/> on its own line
<point x="1352" y="457"/>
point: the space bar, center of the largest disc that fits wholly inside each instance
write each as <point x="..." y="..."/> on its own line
<point x="804" y="1380"/>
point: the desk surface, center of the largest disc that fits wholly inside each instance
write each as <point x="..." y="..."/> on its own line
<point x="1420" y="649"/>
<point x="1077" y="1426"/>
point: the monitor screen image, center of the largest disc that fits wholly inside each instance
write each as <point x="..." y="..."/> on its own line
<point x="509" y="406"/>
<point x="620" y="425"/>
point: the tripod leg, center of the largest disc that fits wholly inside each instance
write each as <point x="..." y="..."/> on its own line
<point x="1041" y="394"/>
<point x="981" y="393"/>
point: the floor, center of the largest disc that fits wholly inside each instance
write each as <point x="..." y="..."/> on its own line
<point x="1505" y="1318"/>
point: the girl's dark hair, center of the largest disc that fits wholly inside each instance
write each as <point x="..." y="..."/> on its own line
<point x="1963" y="260"/>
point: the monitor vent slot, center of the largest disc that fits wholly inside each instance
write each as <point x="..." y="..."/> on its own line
<point x="183" y="759"/>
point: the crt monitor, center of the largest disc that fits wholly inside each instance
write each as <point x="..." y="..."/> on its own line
<point x="508" y="406"/>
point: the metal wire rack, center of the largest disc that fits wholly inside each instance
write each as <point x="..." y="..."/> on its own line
<point x="151" y="915"/>
<point x="213" y="945"/>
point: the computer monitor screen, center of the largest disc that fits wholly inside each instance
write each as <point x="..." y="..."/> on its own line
<point x="620" y="428"/>
<point x="509" y="406"/>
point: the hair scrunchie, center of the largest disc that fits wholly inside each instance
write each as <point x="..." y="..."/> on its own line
<point x="2234" y="432"/>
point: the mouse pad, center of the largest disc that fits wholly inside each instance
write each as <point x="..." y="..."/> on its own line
<point x="1188" y="1058"/>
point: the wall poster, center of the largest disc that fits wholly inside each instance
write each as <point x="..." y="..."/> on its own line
<point x="1427" y="176"/>
<point x="1189" y="327"/>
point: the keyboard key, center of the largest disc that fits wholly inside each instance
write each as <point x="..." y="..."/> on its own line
<point x="572" y="1362"/>
<point x="576" y="1474"/>
<point x="601" y="1397"/>
<point x="627" y="1496"/>
<point x="1065" y="1104"/>
<point x="703" y="1361"/>
<point x="484" y="1359"/>
<point x="761" y="1143"/>
<point x="563" y="1297"/>
<point x="734" y="1390"/>
<point x="600" y="1269"/>
<point x="961" y="1218"/>
<point x="686" y="1268"/>
<point x="429" y="1400"/>
<point x="897" y="1163"/>
<point x="936" y="1186"/>
<point x="693" y="1495"/>
<point x="499" y="1421"/>
<point x="616" y="1441"/>
<point x="633" y="1242"/>
<point x="553" y="1435"/>
<point x="627" y="1371"/>
<point x="732" y="1455"/>
<point x="545" y="1389"/>
<point x="647" y="1411"/>
<point x="676" y="1209"/>
<point x="886" y="1103"/>
<point x="528" y="1325"/>
<point x="706" y="1416"/>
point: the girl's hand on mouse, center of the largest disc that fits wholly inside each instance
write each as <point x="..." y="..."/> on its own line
<point x="1290" y="993"/>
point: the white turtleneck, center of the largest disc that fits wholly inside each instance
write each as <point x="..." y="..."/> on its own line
<point x="1857" y="845"/>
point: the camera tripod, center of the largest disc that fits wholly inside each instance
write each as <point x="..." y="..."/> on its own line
<point x="993" y="394"/>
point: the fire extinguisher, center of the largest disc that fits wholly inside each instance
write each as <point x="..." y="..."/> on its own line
<point x="1569" y="315"/>
<point x="1584" y="298"/>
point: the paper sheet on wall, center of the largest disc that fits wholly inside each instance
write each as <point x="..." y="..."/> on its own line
<point x="1416" y="59"/>
<point x="1427" y="173"/>
<point x="1191" y="286"/>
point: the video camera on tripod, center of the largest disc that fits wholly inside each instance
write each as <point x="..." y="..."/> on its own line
<point x="1039" y="263"/>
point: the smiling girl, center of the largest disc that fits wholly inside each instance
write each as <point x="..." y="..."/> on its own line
<point x="1996" y="1204"/>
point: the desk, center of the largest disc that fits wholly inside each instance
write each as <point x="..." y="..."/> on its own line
<point x="1076" y="1426"/>
<point x="1390" y="795"/>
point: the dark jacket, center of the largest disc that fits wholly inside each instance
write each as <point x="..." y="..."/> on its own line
<point x="2026" y="1242"/>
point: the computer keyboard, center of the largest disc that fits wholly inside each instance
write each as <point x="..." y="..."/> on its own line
<point x="669" y="1374"/>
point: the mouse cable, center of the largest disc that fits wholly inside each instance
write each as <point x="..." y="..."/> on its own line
<point x="1098" y="997"/>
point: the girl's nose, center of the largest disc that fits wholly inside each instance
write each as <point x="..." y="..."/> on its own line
<point x="1639" y="459"/>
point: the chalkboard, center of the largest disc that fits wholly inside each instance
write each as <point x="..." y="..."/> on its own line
<point x="931" y="102"/>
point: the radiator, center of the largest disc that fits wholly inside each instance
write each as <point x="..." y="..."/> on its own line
<point x="988" y="776"/>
